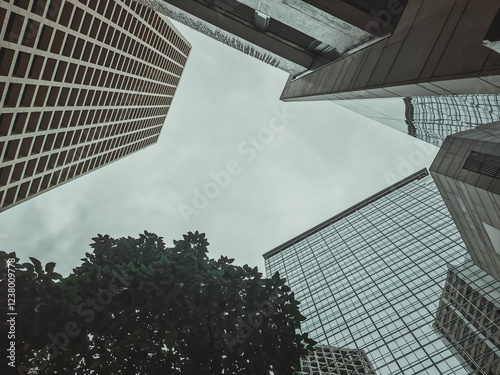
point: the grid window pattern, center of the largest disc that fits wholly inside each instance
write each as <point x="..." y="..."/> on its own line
<point x="370" y="278"/>
<point x="286" y="47"/>
<point x="488" y="165"/>
<point x="325" y="360"/>
<point x="82" y="84"/>
<point x="433" y="118"/>
<point x="469" y="317"/>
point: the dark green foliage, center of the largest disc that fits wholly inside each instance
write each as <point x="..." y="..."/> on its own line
<point x="136" y="307"/>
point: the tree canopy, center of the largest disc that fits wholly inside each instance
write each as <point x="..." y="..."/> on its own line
<point x="134" y="306"/>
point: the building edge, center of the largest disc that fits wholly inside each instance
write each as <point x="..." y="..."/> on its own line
<point x="405" y="181"/>
<point x="3" y="209"/>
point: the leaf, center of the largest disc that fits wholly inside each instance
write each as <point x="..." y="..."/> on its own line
<point x="187" y="305"/>
<point x="72" y="290"/>
<point x="218" y="273"/>
<point x="276" y="277"/>
<point x="29" y="267"/>
<point x="49" y="267"/>
<point x="141" y="334"/>
<point x="37" y="264"/>
<point x="96" y="363"/>
<point x="72" y="293"/>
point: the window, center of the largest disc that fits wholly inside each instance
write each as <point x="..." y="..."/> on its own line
<point x="488" y="165"/>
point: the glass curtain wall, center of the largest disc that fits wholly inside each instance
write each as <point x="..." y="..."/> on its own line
<point x="371" y="279"/>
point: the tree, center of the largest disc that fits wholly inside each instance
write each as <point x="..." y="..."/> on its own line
<point x="136" y="307"/>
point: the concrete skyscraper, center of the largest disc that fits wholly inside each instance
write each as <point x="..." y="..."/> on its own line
<point x="468" y="317"/>
<point x="294" y="35"/>
<point x="436" y="48"/>
<point x="467" y="173"/>
<point x="370" y="277"/>
<point x="359" y="49"/>
<point x="82" y="84"/>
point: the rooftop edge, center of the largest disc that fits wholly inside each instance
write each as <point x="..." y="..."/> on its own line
<point x="413" y="177"/>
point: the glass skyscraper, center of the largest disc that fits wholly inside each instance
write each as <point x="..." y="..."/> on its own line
<point x="370" y="278"/>
<point x="433" y="118"/>
<point x="429" y="118"/>
<point x="325" y="360"/>
<point x="469" y="317"/>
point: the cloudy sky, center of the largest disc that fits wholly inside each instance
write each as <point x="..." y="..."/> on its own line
<point x="267" y="170"/>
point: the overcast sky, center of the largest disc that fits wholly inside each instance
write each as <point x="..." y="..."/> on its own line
<point x="292" y="166"/>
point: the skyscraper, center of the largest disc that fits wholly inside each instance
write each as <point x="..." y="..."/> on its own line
<point x="325" y="360"/>
<point x="293" y="35"/>
<point x="468" y="317"/>
<point x="370" y="277"/>
<point x="433" y="118"/>
<point x="358" y="49"/>
<point x="436" y="48"/>
<point x="388" y="111"/>
<point x="467" y="173"/>
<point x="429" y="118"/>
<point x="82" y="84"/>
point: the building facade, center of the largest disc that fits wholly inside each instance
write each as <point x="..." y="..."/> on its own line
<point x="433" y="118"/>
<point x="293" y="35"/>
<point x="468" y="317"/>
<point x="429" y="118"/>
<point x="389" y="111"/>
<point x="467" y="173"/>
<point x="436" y="48"/>
<point x="82" y="84"/>
<point x="370" y="277"/>
<point x="325" y="360"/>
